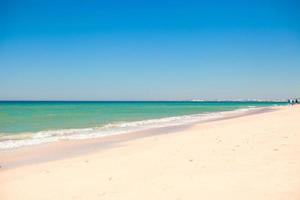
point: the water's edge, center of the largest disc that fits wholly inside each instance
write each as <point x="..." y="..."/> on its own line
<point x="28" y="139"/>
<point x="71" y="148"/>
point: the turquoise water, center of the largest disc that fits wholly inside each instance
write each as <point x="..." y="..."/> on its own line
<point x="69" y="118"/>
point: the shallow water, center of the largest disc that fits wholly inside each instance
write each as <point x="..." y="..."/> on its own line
<point x="29" y="123"/>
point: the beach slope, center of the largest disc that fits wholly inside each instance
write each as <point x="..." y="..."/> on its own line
<point x="250" y="157"/>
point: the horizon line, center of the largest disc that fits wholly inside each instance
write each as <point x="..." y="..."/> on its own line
<point x="173" y="100"/>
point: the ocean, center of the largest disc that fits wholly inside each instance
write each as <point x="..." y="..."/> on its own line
<point x="24" y="123"/>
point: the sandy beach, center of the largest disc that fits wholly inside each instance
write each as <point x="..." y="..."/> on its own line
<point x="249" y="157"/>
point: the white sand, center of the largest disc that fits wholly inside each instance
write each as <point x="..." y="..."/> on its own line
<point x="254" y="157"/>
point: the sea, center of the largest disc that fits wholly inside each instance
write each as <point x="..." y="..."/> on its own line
<point x="25" y="123"/>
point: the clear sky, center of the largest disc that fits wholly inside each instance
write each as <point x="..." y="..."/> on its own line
<point x="149" y="50"/>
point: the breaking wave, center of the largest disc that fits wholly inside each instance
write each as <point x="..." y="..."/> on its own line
<point x="34" y="138"/>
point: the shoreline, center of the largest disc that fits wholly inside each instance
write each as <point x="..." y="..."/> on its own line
<point x="250" y="157"/>
<point x="64" y="149"/>
<point x="23" y="139"/>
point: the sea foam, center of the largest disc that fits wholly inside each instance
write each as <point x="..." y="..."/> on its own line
<point x="27" y="139"/>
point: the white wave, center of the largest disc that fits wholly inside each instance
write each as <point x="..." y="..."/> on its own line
<point x="112" y="129"/>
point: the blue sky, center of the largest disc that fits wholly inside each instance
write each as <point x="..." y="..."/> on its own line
<point x="149" y="50"/>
